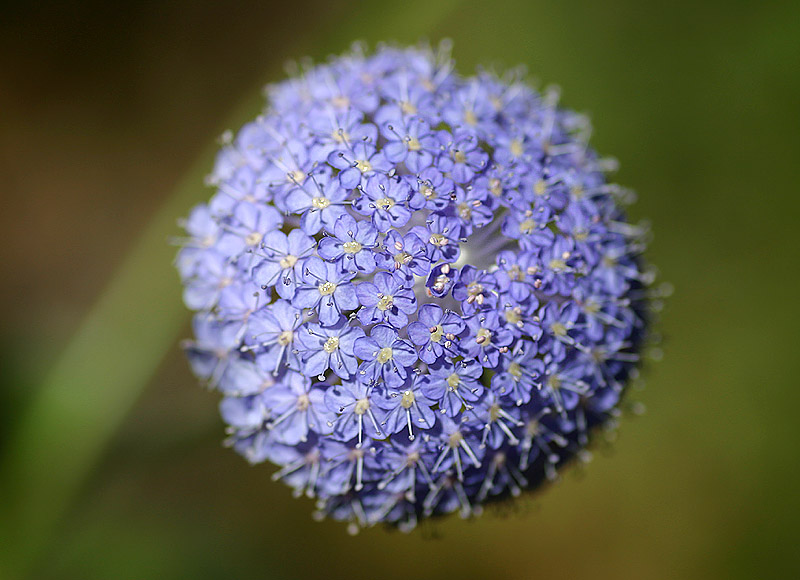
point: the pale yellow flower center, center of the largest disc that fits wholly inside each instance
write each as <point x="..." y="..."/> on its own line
<point x="253" y="238"/>
<point x="385" y="203"/>
<point x="361" y="407"/>
<point x="484" y="337"/>
<point x="402" y="258"/>
<point x="527" y="226"/>
<point x="516" y="273"/>
<point x="513" y="315"/>
<point x="288" y="261"/>
<point x="285" y="337"/>
<point x="352" y="247"/>
<point x="320" y="202"/>
<point x="455" y="439"/>
<point x="407" y="108"/>
<point x="438" y="240"/>
<point x="331" y="344"/>
<point x="303" y="402"/>
<point x="384" y="355"/>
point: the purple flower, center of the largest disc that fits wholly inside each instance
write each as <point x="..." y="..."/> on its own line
<point x="343" y="472"/>
<point x="275" y="330"/>
<point x="384" y="198"/>
<point x="560" y="265"/>
<point x="290" y="169"/>
<point x="284" y="257"/>
<point x="435" y="189"/>
<point x="325" y="287"/>
<point x="487" y="339"/>
<point x="411" y="142"/>
<point x="453" y="385"/>
<point x="300" y="464"/>
<point x="460" y="446"/>
<point x="386" y="357"/>
<point x="417" y="292"/>
<point x="388" y="299"/>
<point x="441" y="280"/>
<point x="475" y="289"/>
<point x="542" y="438"/>
<point x="405" y="254"/>
<point x="331" y="132"/>
<point x="406" y="409"/>
<point x="355" y="413"/>
<point x="204" y="231"/>
<point x="471" y="208"/>
<point x="442" y="234"/>
<point x="351" y="244"/>
<point x="296" y="409"/>
<point x="521" y="318"/>
<point x="436" y="331"/>
<point x="518" y="274"/>
<point x="244" y="377"/>
<point x="210" y="276"/>
<point x="404" y="464"/>
<point x="563" y="385"/>
<point x="247" y="226"/>
<point x="471" y="106"/>
<point x="520" y="373"/>
<point x="328" y="347"/>
<point x="464" y="157"/>
<point x="529" y="226"/>
<point x="237" y="301"/>
<point x="358" y="163"/>
<point x="404" y="102"/>
<point x="500" y="422"/>
<point x="213" y="349"/>
<point x="320" y="201"/>
<point x="246" y="414"/>
<point x="557" y="323"/>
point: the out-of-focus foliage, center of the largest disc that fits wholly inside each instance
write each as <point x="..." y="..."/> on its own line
<point x="104" y="110"/>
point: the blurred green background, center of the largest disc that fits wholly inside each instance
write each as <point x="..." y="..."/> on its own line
<point x="111" y="459"/>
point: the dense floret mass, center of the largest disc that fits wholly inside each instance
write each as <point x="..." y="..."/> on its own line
<point x="417" y="292"/>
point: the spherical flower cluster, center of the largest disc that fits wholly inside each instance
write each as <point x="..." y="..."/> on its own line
<point x="417" y="292"/>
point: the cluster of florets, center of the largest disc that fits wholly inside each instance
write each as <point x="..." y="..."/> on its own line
<point x="417" y="292"/>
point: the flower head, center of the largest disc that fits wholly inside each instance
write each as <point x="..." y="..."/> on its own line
<point x="416" y="291"/>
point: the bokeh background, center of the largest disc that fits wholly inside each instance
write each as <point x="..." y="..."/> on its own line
<point x="111" y="460"/>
